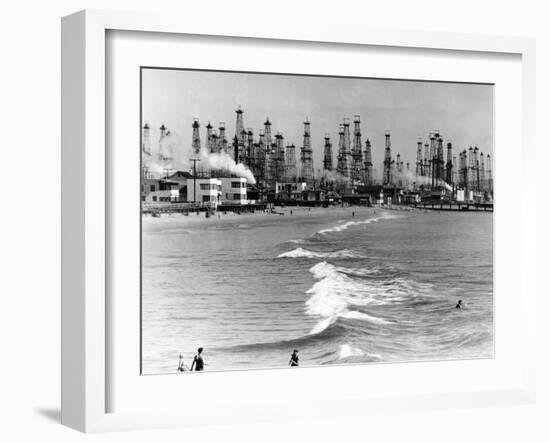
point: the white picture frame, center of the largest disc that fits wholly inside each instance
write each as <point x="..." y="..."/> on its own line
<point x="85" y="217"/>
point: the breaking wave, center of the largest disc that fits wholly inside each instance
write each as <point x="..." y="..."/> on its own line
<point x="345" y="293"/>
<point x="304" y="253"/>
<point x="348" y="224"/>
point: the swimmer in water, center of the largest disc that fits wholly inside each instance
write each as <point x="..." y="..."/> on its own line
<point x="294" y="359"/>
<point x="459" y="305"/>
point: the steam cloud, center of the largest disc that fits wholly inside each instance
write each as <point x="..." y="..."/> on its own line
<point x="409" y="177"/>
<point x="172" y="153"/>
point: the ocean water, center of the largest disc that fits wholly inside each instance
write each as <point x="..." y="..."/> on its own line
<point x="379" y="286"/>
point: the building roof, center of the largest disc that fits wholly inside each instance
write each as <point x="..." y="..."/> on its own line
<point x="180" y="174"/>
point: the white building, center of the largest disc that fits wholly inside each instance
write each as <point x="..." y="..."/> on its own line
<point x="204" y="190"/>
<point x="155" y="191"/>
<point x="290" y="190"/>
<point x="234" y="190"/>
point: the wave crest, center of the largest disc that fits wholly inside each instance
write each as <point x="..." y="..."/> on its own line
<point x="304" y="253"/>
<point x="349" y="224"/>
<point x="339" y="293"/>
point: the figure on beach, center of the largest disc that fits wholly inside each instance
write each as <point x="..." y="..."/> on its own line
<point x="294" y="359"/>
<point x="459" y="305"/>
<point x="198" y="361"/>
<point x="182" y="366"/>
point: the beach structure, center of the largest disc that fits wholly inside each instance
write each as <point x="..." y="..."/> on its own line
<point x="290" y="190"/>
<point x="205" y="190"/>
<point x="233" y="190"/>
<point x="159" y="191"/>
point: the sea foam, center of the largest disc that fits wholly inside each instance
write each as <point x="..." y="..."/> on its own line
<point x="338" y="294"/>
<point x="348" y="224"/>
<point x="304" y="253"/>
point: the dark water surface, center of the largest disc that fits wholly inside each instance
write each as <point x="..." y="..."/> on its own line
<point x="371" y="288"/>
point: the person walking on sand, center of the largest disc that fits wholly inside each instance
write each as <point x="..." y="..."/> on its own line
<point x="198" y="361"/>
<point x="182" y="366"/>
<point x="294" y="359"/>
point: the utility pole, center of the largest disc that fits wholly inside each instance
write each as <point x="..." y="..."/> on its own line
<point x="194" y="178"/>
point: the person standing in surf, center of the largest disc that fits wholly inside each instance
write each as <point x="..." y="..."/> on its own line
<point x="294" y="359"/>
<point x="198" y="361"/>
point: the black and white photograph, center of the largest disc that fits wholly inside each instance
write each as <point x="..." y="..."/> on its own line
<point x="292" y="221"/>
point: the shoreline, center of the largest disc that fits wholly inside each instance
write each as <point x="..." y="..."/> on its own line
<point x="280" y="213"/>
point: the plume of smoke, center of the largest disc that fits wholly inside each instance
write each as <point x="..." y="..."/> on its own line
<point x="173" y="153"/>
<point x="332" y="175"/>
<point x="222" y="161"/>
<point x="410" y="177"/>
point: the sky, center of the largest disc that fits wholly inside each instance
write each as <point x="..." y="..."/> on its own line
<point x="463" y="113"/>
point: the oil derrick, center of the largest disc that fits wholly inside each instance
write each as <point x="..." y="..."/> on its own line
<point x="398" y="170"/>
<point x="250" y="154"/>
<point x="261" y="159"/>
<point x="162" y="154"/>
<point x="209" y="139"/>
<point x="348" y="159"/>
<point x="476" y="169"/>
<point x="146" y="139"/>
<point x="327" y="158"/>
<point x="449" y="174"/>
<point x="427" y="162"/>
<point x="290" y="163"/>
<point x="369" y="177"/>
<point x="270" y="163"/>
<point x="471" y="169"/>
<point x="357" y="153"/>
<point x="307" y="155"/>
<point x="489" y="174"/>
<point x="432" y="156"/>
<point x="387" y="177"/>
<point x="419" y="164"/>
<point x="222" y="138"/>
<point x="455" y="172"/>
<point x="235" y="148"/>
<point x="440" y="161"/>
<point x="240" y="133"/>
<point x="464" y="169"/>
<point x="196" y="143"/>
<point x="340" y="157"/>
<point x="267" y="132"/>
<point x="482" y="183"/>
<point x="215" y="142"/>
<point x="279" y="159"/>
